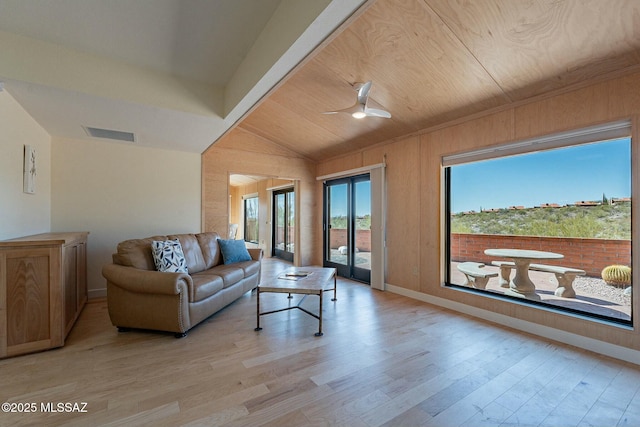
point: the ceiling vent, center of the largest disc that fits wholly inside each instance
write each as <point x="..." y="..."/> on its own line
<point x="110" y="134"/>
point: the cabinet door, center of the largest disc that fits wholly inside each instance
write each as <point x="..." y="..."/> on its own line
<point x="75" y="283"/>
<point x="70" y="259"/>
<point x="31" y="289"/>
<point x="82" y="275"/>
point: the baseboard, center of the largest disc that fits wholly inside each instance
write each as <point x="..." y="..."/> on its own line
<point x="97" y="293"/>
<point x="601" y="347"/>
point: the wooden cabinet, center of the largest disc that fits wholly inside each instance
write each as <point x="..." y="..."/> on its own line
<point x="43" y="288"/>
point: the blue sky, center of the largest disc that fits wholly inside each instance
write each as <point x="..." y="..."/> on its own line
<point x="560" y="176"/>
<point x="339" y="199"/>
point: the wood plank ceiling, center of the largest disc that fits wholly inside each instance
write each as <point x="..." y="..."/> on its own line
<point x="435" y="61"/>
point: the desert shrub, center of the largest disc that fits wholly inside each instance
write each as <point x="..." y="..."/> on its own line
<point x="605" y="222"/>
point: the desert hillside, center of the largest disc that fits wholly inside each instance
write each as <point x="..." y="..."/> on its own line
<point x="602" y="221"/>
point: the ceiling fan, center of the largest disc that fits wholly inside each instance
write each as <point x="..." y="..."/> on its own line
<point x="360" y="110"/>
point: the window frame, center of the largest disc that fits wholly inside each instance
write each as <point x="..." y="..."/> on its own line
<point x="245" y="202"/>
<point x="592" y="134"/>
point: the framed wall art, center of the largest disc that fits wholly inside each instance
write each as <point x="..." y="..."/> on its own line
<point x="29" y="180"/>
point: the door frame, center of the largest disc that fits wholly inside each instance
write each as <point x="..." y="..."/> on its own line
<point x="275" y="252"/>
<point x="348" y="270"/>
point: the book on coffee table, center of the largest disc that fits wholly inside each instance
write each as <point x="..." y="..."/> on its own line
<point x="294" y="275"/>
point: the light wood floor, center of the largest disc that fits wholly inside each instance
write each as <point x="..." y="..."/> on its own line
<point x="384" y="360"/>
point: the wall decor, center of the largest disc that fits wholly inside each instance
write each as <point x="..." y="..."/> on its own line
<point x="29" y="181"/>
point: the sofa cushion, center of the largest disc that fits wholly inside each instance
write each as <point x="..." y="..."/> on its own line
<point x="205" y="285"/>
<point x="192" y="251"/>
<point x="231" y="274"/>
<point x="168" y="256"/>
<point x="210" y="249"/>
<point x="249" y="267"/>
<point x="234" y="251"/>
<point x="136" y="253"/>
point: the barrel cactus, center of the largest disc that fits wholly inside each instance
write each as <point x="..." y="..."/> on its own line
<point x="617" y="275"/>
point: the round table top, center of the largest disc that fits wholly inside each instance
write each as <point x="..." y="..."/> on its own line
<point x="522" y="253"/>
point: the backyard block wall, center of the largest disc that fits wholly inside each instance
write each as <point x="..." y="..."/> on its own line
<point x="280" y="234"/>
<point x="590" y="255"/>
<point x="338" y="237"/>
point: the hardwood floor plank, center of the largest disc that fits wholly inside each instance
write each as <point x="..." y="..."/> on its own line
<point x="631" y="414"/>
<point x="207" y="410"/>
<point x="415" y="417"/>
<point x="291" y="419"/>
<point x="455" y="392"/>
<point x="364" y="361"/>
<point x="219" y="418"/>
<point x="493" y="391"/>
<point x="575" y="405"/>
<point x="493" y="414"/>
<point x="418" y="394"/>
<point x="459" y="401"/>
<point x="150" y="416"/>
<point x="384" y="360"/>
<point x="282" y="353"/>
<point x="475" y="401"/>
<point x="541" y="394"/>
<point x="600" y="414"/>
<point x="332" y="411"/>
<point x="276" y="410"/>
<point x="617" y="397"/>
<point x="346" y="395"/>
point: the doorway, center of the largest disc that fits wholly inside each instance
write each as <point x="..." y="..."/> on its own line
<point x="347" y="227"/>
<point x="284" y="222"/>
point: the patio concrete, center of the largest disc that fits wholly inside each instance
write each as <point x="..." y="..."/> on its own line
<point x="546" y="284"/>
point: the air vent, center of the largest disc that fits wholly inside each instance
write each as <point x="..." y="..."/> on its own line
<point x="110" y="134"/>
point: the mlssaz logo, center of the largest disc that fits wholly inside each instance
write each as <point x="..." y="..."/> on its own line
<point x="63" y="407"/>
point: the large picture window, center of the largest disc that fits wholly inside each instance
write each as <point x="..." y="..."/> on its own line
<point x="546" y="222"/>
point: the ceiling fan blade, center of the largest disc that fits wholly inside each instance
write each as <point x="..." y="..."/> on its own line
<point x="363" y="92"/>
<point x="353" y="109"/>
<point x="360" y="109"/>
<point x="374" y="112"/>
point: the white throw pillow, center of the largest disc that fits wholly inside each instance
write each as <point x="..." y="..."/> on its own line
<point x="168" y="256"/>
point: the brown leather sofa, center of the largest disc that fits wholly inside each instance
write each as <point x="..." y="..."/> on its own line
<point x="140" y="297"/>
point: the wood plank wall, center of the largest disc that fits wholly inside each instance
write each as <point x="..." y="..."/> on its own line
<point x="241" y="152"/>
<point x="264" y="209"/>
<point x="414" y="217"/>
<point x="414" y="195"/>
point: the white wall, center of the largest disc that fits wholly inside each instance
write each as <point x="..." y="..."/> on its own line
<point x="118" y="191"/>
<point x="22" y="214"/>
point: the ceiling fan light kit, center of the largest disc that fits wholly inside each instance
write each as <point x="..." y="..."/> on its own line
<point x="360" y="110"/>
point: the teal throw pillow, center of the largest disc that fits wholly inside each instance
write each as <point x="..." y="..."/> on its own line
<point x="234" y="251"/>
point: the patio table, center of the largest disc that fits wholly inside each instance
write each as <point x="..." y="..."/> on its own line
<point x="521" y="285"/>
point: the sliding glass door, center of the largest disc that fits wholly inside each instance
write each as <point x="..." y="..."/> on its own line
<point x="347" y="227"/>
<point x="284" y="224"/>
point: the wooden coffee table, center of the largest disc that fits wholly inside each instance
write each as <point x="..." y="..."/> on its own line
<point x="300" y="280"/>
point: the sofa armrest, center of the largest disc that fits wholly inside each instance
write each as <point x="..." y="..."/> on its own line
<point x="256" y="253"/>
<point x="147" y="281"/>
